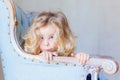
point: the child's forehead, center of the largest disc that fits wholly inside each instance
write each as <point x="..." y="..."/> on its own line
<point x="49" y="27"/>
<point x="47" y="30"/>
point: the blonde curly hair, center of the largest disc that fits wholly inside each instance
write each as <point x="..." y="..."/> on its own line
<point x="65" y="39"/>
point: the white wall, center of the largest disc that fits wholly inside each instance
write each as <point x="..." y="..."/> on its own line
<point x="95" y="22"/>
<point x="109" y="30"/>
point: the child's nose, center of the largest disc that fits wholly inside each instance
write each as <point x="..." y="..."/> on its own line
<point x="46" y="43"/>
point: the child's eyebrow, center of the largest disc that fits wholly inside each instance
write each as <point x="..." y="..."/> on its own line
<point x="51" y="34"/>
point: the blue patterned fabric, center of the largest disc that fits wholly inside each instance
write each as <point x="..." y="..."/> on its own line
<point x="23" y="23"/>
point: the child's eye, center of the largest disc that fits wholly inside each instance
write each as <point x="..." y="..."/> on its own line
<point x="51" y="37"/>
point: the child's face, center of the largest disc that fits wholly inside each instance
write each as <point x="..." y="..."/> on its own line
<point x="48" y="39"/>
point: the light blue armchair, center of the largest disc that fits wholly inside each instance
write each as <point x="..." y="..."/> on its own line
<point x="18" y="65"/>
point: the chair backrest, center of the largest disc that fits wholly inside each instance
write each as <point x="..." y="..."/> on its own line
<point x="18" y="65"/>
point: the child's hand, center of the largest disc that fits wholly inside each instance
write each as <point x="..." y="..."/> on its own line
<point x="48" y="55"/>
<point x="81" y="57"/>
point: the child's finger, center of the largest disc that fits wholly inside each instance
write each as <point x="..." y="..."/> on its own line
<point x="88" y="57"/>
<point x="78" y="58"/>
<point x="55" y="54"/>
<point x="81" y="58"/>
<point x="46" y="56"/>
<point x="84" y="59"/>
<point x="50" y="56"/>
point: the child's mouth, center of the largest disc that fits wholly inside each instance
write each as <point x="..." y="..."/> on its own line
<point x="47" y="50"/>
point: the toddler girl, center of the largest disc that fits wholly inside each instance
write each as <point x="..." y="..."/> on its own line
<point x="50" y="35"/>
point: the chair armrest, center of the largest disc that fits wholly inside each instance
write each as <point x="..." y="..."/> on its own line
<point x="108" y="65"/>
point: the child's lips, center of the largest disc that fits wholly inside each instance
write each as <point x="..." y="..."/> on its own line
<point x="47" y="50"/>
